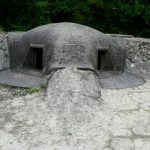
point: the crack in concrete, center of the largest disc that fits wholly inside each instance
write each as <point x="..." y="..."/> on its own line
<point x="133" y="136"/>
<point x="85" y="95"/>
<point x="109" y="143"/>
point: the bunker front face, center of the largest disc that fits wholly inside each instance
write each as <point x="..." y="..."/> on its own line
<point x="47" y="48"/>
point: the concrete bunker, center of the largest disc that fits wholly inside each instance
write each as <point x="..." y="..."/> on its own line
<point x="67" y="45"/>
<point x="60" y="45"/>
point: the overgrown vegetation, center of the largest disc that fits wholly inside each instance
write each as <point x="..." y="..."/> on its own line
<point x="111" y="16"/>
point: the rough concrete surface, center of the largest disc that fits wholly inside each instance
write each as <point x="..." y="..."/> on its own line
<point x="21" y="79"/>
<point x="141" y="69"/>
<point x="65" y="45"/>
<point x="121" y="81"/>
<point x="75" y="114"/>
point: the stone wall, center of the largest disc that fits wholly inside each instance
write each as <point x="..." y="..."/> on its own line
<point x="4" y="55"/>
<point x="138" y="55"/>
<point x="138" y="50"/>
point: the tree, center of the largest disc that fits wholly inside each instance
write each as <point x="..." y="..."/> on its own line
<point x="111" y="16"/>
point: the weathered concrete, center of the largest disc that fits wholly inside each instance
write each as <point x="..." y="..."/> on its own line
<point x="72" y="116"/>
<point x="66" y="45"/>
<point x="124" y="80"/>
<point x="138" y="50"/>
<point x="20" y="79"/>
<point x="14" y="44"/>
<point x="141" y="69"/>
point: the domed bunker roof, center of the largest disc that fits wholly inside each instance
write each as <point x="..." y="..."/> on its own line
<point x="69" y="45"/>
<point x="61" y="45"/>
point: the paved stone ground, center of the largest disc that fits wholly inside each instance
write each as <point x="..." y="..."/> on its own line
<point x="75" y="114"/>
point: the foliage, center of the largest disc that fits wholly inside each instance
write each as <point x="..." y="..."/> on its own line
<point x="20" y="91"/>
<point x="34" y="90"/>
<point x="1" y="29"/>
<point x="111" y="16"/>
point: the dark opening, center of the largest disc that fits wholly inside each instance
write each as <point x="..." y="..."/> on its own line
<point x="34" y="58"/>
<point x="104" y="60"/>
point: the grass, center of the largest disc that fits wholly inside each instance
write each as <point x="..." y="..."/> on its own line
<point x="34" y="90"/>
<point x="20" y="91"/>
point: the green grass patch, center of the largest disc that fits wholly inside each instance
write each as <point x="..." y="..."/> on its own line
<point x="20" y="91"/>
